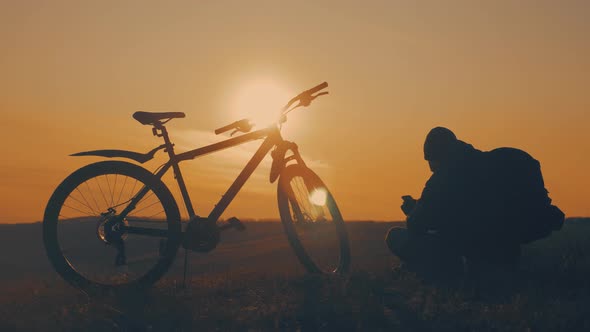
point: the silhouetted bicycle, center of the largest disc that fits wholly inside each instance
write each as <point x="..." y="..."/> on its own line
<point x="113" y="225"/>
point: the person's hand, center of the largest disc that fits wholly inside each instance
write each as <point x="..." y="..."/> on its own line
<point x="408" y="205"/>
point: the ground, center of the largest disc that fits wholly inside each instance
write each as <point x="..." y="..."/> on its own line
<point x="251" y="283"/>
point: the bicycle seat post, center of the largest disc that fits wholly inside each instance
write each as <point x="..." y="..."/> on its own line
<point x="159" y="130"/>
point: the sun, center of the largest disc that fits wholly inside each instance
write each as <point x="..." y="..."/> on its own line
<point x="260" y="101"/>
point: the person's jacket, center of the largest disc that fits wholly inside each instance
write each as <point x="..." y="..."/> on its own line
<point x="485" y="197"/>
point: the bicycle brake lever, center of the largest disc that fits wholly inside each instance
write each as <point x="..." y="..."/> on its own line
<point x="233" y="132"/>
<point x="319" y="94"/>
<point x="306" y="100"/>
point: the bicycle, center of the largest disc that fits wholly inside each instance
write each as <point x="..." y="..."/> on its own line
<point x="117" y="209"/>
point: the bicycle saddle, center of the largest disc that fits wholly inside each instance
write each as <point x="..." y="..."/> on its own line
<point x="148" y="118"/>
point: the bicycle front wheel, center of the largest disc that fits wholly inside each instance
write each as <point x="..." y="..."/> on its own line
<point x="312" y="221"/>
<point x="95" y="248"/>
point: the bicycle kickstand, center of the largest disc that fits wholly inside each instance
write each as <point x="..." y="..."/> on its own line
<point x="185" y="268"/>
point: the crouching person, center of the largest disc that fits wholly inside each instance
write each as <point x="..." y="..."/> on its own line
<point x="476" y="209"/>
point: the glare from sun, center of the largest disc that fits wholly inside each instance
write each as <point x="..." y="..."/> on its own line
<point x="260" y="101"/>
<point x="318" y="197"/>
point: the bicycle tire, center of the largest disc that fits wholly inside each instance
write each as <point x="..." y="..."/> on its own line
<point x="311" y="253"/>
<point x="57" y="226"/>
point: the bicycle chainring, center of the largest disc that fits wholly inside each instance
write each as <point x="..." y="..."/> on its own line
<point x="201" y="235"/>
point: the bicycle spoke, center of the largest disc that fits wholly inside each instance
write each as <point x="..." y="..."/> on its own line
<point x="302" y="190"/>
<point x="91" y="209"/>
<point x="304" y="195"/>
<point x="85" y="200"/>
<point x="144" y="198"/>
<point x="142" y="209"/>
<point x="114" y="188"/>
<point x="133" y="193"/>
<point x="84" y="212"/>
<point x="102" y="193"/>
<point x="92" y="195"/>
<point x="121" y="192"/>
<point x="109" y="187"/>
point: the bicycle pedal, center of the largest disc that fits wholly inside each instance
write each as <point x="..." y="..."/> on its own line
<point x="236" y="223"/>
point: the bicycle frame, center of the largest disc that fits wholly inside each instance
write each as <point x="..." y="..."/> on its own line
<point x="272" y="137"/>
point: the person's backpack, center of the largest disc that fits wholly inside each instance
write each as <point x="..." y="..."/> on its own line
<point x="521" y="197"/>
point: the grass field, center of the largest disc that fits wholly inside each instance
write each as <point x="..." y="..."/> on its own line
<point x="252" y="282"/>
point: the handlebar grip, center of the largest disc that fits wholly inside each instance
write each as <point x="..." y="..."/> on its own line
<point x="225" y="128"/>
<point x="318" y="88"/>
<point x="243" y="125"/>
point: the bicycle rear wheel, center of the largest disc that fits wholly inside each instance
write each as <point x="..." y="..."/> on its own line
<point x="92" y="247"/>
<point x="312" y="221"/>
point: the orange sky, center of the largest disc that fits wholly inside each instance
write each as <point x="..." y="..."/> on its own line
<point x="506" y="73"/>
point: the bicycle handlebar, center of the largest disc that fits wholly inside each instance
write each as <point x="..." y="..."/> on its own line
<point x="305" y="98"/>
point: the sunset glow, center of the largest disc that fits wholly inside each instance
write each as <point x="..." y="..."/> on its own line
<point x="261" y="101"/>
<point x="499" y="73"/>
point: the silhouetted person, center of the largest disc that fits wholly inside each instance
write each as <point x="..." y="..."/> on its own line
<point x="477" y="206"/>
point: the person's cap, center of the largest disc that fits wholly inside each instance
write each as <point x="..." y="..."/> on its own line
<point x="438" y="142"/>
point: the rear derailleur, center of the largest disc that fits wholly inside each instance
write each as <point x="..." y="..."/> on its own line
<point x="110" y="230"/>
